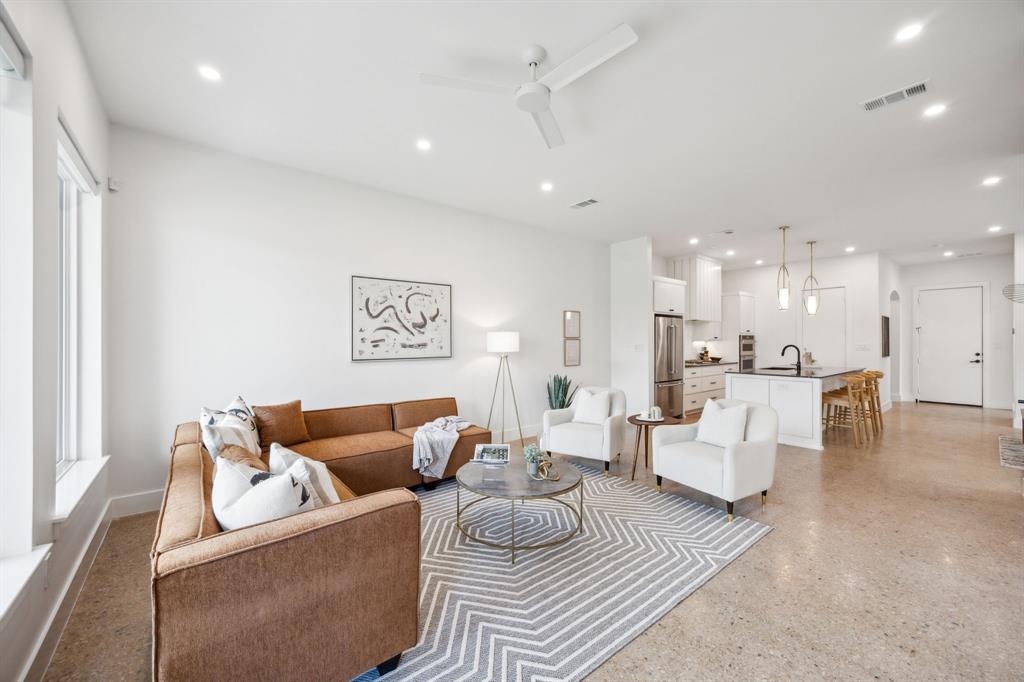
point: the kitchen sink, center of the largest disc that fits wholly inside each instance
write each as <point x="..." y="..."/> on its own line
<point x="789" y="367"/>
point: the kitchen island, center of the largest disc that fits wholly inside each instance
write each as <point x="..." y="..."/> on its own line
<point x="795" y="395"/>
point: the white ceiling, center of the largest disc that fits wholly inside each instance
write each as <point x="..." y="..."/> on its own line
<point x="739" y="116"/>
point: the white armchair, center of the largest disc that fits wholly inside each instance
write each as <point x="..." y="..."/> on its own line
<point x="728" y="473"/>
<point x="593" y="441"/>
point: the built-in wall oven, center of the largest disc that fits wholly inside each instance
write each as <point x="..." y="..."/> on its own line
<point x="747" y="354"/>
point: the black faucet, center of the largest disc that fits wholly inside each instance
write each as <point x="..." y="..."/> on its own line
<point x="785" y="348"/>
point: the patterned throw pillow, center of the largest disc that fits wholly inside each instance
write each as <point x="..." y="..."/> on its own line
<point x="243" y="496"/>
<point x="281" y="458"/>
<point x="234" y="425"/>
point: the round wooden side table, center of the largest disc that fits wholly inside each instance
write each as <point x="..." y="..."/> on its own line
<point x="643" y="431"/>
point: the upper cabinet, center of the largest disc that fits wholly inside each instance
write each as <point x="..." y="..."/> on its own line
<point x="704" y="277"/>
<point x="737" y="313"/>
<point x="669" y="296"/>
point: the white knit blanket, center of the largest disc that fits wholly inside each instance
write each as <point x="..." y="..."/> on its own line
<point x="432" y="444"/>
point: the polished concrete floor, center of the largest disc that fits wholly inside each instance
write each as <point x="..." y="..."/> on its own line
<point x="903" y="560"/>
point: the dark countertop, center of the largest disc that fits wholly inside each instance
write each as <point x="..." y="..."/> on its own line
<point x="694" y="363"/>
<point x="805" y="373"/>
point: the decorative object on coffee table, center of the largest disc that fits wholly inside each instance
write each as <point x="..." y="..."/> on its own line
<point x="533" y="456"/>
<point x="643" y="432"/>
<point x="513" y="483"/>
<point x="504" y="343"/>
<point x="571" y="352"/>
<point x="395" y="319"/>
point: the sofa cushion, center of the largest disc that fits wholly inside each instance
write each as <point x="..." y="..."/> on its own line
<point x="591" y="407"/>
<point x="239" y="455"/>
<point x="693" y="463"/>
<point x="243" y="496"/>
<point x="282" y="424"/>
<point x="348" y="421"/>
<point x="414" y="413"/>
<point x="326" y="449"/>
<point x="722" y="426"/>
<point x="281" y="458"/>
<point x="574" y="438"/>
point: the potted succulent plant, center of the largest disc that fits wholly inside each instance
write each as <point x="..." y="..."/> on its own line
<point x="533" y="456"/>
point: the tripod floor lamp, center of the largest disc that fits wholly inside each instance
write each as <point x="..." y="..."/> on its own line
<point x="504" y="343"/>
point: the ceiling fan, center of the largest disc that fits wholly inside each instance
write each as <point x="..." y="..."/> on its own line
<point x="534" y="96"/>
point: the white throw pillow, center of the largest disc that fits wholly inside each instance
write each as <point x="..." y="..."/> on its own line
<point x="722" y="426"/>
<point x="243" y="496"/>
<point x="281" y="458"/>
<point x="592" y="408"/>
<point x="234" y="425"/>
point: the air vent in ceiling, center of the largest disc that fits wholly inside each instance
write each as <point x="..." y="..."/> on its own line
<point x="970" y="255"/>
<point x="584" y="203"/>
<point x="895" y="96"/>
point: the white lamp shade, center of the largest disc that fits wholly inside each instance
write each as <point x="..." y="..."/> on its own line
<point x="784" y="298"/>
<point x="502" y="342"/>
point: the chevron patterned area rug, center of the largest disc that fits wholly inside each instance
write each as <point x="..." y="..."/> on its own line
<point x="558" y="612"/>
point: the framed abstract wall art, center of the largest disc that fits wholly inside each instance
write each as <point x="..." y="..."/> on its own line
<point x="394" y="319"/>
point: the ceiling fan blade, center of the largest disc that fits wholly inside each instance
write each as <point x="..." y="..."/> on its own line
<point x="548" y="127"/>
<point x="590" y="57"/>
<point x="463" y="84"/>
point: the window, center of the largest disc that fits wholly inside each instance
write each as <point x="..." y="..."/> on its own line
<point x="71" y="187"/>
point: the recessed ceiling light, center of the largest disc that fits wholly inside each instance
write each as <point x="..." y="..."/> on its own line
<point x="730" y="252"/>
<point x="947" y="254"/>
<point x="850" y="249"/>
<point x="908" y="32"/>
<point x="934" y="110"/>
<point x="546" y="187"/>
<point x="995" y="228"/>
<point x="423" y="144"/>
<point x="759" y="262"/>
<point x="209" y="73"/>
<point x="990" y="181"/>
<point x="694" y="240"/>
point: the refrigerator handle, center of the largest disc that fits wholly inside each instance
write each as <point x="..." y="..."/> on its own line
<point x="672" y="350"/>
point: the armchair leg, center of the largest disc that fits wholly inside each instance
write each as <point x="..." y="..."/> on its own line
<point x="388" y="665"/>
<point x="606" y="465"/>
<point x="659" y="483"/>
<point x="549" y="453"/>
<point x="728" y="510"/>
<point x="764" y="498"/>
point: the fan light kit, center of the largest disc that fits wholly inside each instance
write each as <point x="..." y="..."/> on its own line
<point x="534" y="96"/>
<point x="782" y="281"/>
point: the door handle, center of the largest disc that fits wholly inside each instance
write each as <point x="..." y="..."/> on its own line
<point x="975" y="362"/>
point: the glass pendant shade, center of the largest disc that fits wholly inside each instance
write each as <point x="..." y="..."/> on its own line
<point x="811" y="290"/>
<point x="782" y="282"/>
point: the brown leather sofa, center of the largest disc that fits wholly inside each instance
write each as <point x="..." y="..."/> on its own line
<point x="325" y="594"/>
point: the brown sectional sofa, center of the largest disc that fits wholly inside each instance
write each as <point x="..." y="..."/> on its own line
<point x="325" y="594"/>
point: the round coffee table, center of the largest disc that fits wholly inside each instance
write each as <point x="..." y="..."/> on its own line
<point x="512" y="482"/>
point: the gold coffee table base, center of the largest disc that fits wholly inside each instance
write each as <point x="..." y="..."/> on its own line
<point x="578" y="513"/>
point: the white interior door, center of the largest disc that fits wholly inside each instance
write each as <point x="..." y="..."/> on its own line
<point x="949" y="348"/>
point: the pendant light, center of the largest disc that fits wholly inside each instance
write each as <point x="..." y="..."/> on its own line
<point x="812" y="290"/>
<point x="783" y="279"/>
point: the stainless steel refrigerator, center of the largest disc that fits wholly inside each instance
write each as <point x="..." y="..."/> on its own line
<point x="668" y="364"/>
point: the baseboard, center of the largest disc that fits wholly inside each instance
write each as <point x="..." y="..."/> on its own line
<point x="136" y="503"/>
<point x="51" y="634"/>
<point x="530" y="431"/>
<point x="886" y="406"/>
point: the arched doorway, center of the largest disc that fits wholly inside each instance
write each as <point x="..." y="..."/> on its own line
<point x="895" y="365"/>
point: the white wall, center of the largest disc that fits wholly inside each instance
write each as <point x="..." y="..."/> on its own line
<point x="60" y="82"/>
<point x="997" y="271"/>
<point x="1018" y="329"/>
<point x="230" y="276"/>
<point x="632" y="322"/>
<point x="776" y="328"/>
<point x="889" y="275"/>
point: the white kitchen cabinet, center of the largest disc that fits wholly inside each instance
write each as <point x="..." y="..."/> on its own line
<point x="669" y="296"/>
<point x="737" y="318"/>
<point x="749" y="388"/>
<point x="704" y="278"/>
<point x="793" y="400"/>
<point x="796" y="400"/>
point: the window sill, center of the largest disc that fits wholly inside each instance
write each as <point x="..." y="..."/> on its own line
<point x="73" y="486"/>
<point x="15" y="572"/>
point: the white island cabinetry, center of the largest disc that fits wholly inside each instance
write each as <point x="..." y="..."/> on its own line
<point x="796" y="399"/>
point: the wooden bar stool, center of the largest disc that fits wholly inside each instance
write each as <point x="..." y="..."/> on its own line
<point x="847" y="407"/>
<point x="876" y="399"/>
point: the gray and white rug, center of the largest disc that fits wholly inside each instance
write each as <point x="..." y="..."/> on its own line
<point x="561" y="611"/>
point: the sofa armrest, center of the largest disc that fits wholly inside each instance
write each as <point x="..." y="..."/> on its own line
<point x="748" y="468"/>
<point x="334" y="589"/>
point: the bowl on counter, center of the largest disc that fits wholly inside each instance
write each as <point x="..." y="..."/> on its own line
<point x="714" y="359"/>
